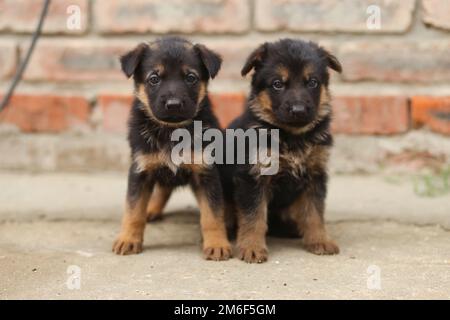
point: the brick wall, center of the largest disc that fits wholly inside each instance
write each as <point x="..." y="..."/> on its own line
<point x="396" y="78"/>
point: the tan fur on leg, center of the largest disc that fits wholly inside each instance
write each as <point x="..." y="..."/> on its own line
<point x="251" y="240"/>
<point x="133" y="225"/>
<point x="311" y="224"/>
<point x="158" y="201"/>
<point x="215" y="242"/>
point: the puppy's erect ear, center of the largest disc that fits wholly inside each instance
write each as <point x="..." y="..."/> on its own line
<point x="255" y="59"/>
<point x="211" y="60"/>
<point x="131" y="60"/>
<point x="332" y="61"/>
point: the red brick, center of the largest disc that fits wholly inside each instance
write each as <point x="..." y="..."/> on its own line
<point x="433" y="112"/>
<point x="46" y="113"/>
<point x="8" y="59"/>
<point x="23" y="15"/>
<point x="370" y="115"/>
<point x="183" y="16"/>
<point x="436" y="13"/>
<point x="227" y="106"/>
<point x="85" y="60"/>
<point x="332" y="15"/>
<point x="234" y="54"/>
<point x="406" y="61"/>
<point x="115" y="110"/>
<point x="77" y="60"/>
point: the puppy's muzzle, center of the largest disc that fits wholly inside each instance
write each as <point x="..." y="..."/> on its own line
<point x="299" y="110"/>
<point x="174" y="104"/>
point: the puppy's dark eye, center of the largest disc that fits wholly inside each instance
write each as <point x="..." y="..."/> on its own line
<point x="312" y="83"/>
<point x="154" y="79"/>
<point x="191" y="78"/>
<point x="278" y="85"/>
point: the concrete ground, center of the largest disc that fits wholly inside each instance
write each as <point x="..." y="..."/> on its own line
<point x="394" y="245"/>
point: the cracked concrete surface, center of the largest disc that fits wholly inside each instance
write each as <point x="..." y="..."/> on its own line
<point x="53" y="221"/>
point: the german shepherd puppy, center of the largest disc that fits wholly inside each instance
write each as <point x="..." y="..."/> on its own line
<point x="289" y="92"/>
<point x="170" y="77"/>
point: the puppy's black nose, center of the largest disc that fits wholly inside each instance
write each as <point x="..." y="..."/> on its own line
<point x="174" y="104"/>
<point x="298" y="109"/>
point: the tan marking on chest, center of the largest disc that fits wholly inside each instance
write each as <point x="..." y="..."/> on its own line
<point x="149" y="162"/>
<point x="294" y="162"/>
<point x="309" y="160"/>
<point x="318" y="159"/>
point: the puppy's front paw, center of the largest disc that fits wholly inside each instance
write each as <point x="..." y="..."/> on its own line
<point x="126" y="246"/>
<point x="253" y="254"/>
<point x="326" y="247"/>
<point x="217" y="253"/>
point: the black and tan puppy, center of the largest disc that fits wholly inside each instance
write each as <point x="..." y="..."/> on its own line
<point x="289" y="93"/>
<point x="171" y="77"/>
